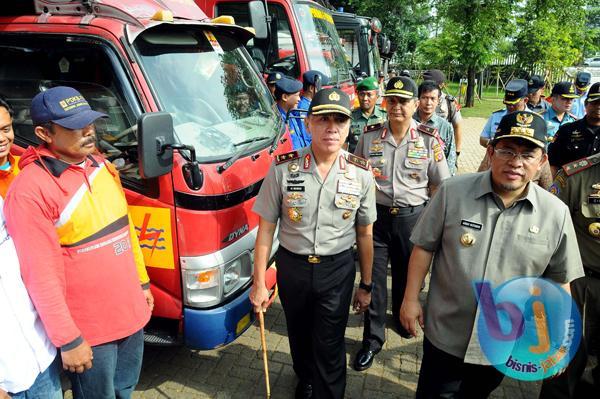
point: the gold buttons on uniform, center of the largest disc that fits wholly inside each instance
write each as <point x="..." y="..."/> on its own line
<point x="594" y="229"/>
<point x="293" y="167"/>
<point x="467" y="240"/>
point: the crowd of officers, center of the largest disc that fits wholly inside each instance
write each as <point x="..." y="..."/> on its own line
<point x="383" y="177"/>
<point x="380" y="178"/>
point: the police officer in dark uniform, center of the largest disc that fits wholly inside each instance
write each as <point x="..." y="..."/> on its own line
<point x="577" y="184"/>
<point x="408" y="163"/>
<point x="578" y="139"/>
<point x="324" y="201"/>
<point x="535" y="94"/>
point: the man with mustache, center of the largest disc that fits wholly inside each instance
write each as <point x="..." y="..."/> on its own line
<point x="490" y="226"/>
<point x="80" y="257"/>
<point x="408" y="163"/>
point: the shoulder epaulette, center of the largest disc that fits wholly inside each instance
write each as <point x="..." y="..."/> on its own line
<point x="288" y="156"/>
<point x="358" y="161"/>
<point x="430" y="130"/>
<point x="373" y="127"/>
<point x="575" y="167"/>
<point x="573" y="116"/>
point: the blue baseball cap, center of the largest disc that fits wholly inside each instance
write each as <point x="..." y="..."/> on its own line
<point x="288" y="85"/>
<point x="310" y="76"/>
<point x="64" y="106"/>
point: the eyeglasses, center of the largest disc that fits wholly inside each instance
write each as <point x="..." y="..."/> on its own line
<point x="509" y="155"/>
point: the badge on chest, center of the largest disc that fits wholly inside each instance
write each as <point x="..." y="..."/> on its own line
<point x="417" y="150"/>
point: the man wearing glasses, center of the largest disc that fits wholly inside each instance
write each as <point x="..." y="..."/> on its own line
<point x="502" y="228"/>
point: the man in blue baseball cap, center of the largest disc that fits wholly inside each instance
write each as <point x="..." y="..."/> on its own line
<point x="583" y="80"/>
<point x="86" y="276"/>
<point x="312" y="81"/>
<point x="287" y="96"/>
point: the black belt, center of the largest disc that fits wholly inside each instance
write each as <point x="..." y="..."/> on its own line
<point x="396" y="210"/>
<point x="591" y="273"/>
<point x="314" y="258"/>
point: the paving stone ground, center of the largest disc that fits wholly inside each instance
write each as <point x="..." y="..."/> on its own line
<point x="236" y="371"/>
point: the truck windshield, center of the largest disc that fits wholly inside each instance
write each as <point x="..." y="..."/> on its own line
<point x="322" y="43"/>
<point x="206" y="81"/>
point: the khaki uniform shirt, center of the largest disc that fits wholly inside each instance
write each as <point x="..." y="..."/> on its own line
<point x="534" y="237"/>
<point x="575" y="188"/>
<point x="404" y="171"/>
<point x="446" y="132"/>
<point x="317" y="217"/>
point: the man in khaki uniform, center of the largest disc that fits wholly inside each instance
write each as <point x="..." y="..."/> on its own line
<point x="324" y="200"/>
<point x="489" y="226"/>
<point x="408" y="162"/>
<point x="577" y="184"/>
<point x="368" y="113"/>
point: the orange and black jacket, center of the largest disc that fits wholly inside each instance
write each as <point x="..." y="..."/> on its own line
<point x="79" y="254"/>
<point x="7" y="176"/>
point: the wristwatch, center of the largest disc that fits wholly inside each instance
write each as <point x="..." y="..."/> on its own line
<point x="366" y="287"/>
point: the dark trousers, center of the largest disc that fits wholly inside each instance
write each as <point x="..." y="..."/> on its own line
<point x="445" y="376"/>
<point x="391" y="235"/>
<point x="316" y="301"/>
<point x="586" y="294"/>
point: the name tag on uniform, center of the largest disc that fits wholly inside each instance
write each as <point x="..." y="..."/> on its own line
<point x="348" y="187"/>
<point x="473" y="225"/>
<point x="592" y="199"/>
<point x="295" y="181"/>
<point x="376" y="154"/>
<point x="295" y="188"/>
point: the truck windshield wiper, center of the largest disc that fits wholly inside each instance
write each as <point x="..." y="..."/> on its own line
<point x="237" y="155"/>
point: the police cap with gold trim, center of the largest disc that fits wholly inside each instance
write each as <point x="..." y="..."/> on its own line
<point x="401" y="86"/>
<point x="524" y="125"/>
<point x="564" y="89"/>
<point x="582" y="80"/>
<point x="593" y="93"/>
<point x="515" y="91"/>
<point x="328" y="101"/>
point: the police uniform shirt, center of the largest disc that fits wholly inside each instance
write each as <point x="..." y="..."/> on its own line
<point x="574" y="141"/>
<point x="578" y="107"/>
<point x="552" y="122"/>
<point x="578" y="186"/>
<point x="446" y="132"/>
<point x="489" y="130"/>
<point x="361" y="122"/>
<point x="539" y="108"/>
<point x="476" y="238"/>
<point x="447" y="109"/>
<point x="403" y="171"/>
<point x="317" y="217"/>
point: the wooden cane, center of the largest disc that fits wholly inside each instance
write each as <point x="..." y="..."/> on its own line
<point x="263" y="340"/>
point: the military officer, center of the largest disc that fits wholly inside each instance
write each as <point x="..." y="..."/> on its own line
<point x="582" y="84"/>
<point x="536" y="102"/>
<point x="429" y="96"/>
<point x="491" y="226"/>
<point x="369" y="115"/>
<point x="287" y="96"/>
<point x="578" y="139"/>
<point x="515" y="99"/>
<point x="408" y="164"/>
<point x="577" y="184"/>
<point x="563" y="94"/>
<point x="324" y="201"/>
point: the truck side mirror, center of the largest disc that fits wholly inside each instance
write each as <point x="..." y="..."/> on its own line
<point x="155" y="137"/>
<point x="258" y="19"/>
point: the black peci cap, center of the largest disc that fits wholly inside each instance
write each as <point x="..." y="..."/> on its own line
<point x="330" y="101"/>
<point x="522" y="124"/>
<point x="401" y="86"/>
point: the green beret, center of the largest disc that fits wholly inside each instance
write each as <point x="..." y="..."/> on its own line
<point x="369" y="83"/>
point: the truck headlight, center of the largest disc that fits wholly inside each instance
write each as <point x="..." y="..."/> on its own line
<point x="231" y="277"/>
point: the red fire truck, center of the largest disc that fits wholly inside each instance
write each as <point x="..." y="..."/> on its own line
<point x="192" y="130"/>
<point x="292" y="37"/>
